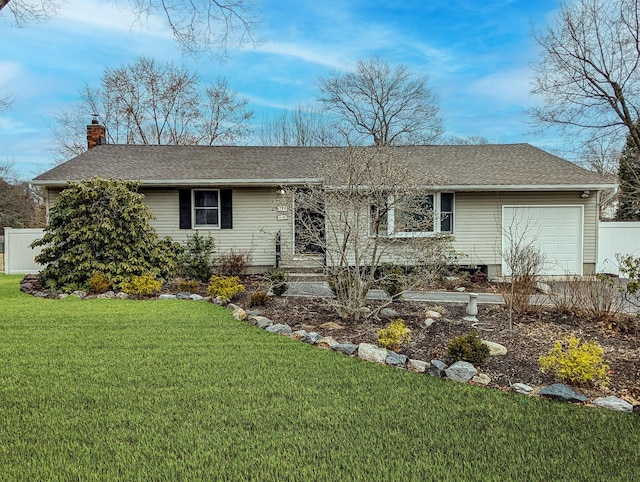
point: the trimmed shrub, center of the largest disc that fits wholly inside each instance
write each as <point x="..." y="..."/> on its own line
<point x="145" y="285"/>
<point x="279" y="282"/>
<point x="225" y="287"/>
<point x="99" y="283"/>
<point x="196" y="261"/>
<point x="258" y="298"/>
<point x="395" y="335"/>
<point x="469" y="348"/>
<point x="391" y="278"/>
<point x="573" y="361"/>
<point x="192" y="286"/>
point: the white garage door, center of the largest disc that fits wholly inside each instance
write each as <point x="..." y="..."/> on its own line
<point x="555" y="230"/>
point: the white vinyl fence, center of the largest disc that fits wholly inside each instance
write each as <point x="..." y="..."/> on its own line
<point x="19" y="258"/>
<point x="613" y="238"/>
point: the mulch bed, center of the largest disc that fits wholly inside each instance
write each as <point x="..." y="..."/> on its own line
<point x="531" y="336"/>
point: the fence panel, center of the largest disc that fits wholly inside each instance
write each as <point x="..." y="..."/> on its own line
<point x="613" y="238"/>
<point x="19" y="258"/>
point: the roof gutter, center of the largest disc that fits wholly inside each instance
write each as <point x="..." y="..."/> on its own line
<point x="303" y="181"/>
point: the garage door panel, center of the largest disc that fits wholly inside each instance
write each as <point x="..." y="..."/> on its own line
<point x="555" y="230"/>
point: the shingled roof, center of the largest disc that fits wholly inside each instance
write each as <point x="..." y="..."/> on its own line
<point x="473" y="167"/>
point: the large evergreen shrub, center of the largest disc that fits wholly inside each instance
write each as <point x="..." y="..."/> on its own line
<point x="102" y="226"/>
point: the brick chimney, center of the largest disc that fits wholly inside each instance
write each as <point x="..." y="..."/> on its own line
<point x="96" y="133"/>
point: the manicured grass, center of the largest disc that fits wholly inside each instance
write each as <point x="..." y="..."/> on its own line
<point x="177" y="390"/>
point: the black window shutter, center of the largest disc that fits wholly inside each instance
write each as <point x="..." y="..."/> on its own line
<point x="184" y="196"/>
<point x="226" y="214"/>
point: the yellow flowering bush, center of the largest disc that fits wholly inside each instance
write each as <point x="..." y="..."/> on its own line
<point x="145" y="285"/>
<point x="576" y="362"/>
<point x="225" y="287"/>
<point x="393" y="336"/>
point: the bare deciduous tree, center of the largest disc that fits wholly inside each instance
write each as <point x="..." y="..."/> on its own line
<point x="197" y="25"/>
<point x="151" y="103"/>
<point x="368" y="207"/>
<point x="20" y="206"/>
<point x="382" y="105"/>
<point x="304" y="126"/>
<point x="589" y="73"/>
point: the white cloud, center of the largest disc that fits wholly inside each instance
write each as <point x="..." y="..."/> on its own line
<point x="107" y="16"/>
<point x="320" y="56"/>
<point x="507" y="87"/>
<point x="8" y="72"/>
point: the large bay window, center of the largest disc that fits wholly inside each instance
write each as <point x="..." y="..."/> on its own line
<point x="413" y="215"/>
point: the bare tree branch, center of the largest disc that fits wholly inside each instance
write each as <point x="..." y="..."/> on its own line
<point x="384" y="105"/>
<point x="212" y="26"/>
<point x="151" y="103"/>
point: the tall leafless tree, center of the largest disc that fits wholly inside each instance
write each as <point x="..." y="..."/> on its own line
<point x="211" y="26"/>
<point x="589" y="72"/>
<point x="304" y="126"/>
<point x="151" y="103"/>
<point x="382" y="105"/>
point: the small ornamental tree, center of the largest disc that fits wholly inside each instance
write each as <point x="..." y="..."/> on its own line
<point x="102" y="226"/>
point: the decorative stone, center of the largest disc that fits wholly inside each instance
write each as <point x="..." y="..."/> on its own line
<point x="495" y="349"/>
<point x="559" y="391"/>
<point x="481" y="379"/>
<point x="280" y="329"/>
<point x="261" y="321"/>
<point x="432" y="314"/>
<point x="417" y="366"/>
<point x="231" y="306"/>
<point x="372" y="353"/>
<point x="522" y="388"/>
<point x="183" y="295"/>
<point x="395" y="359"/>
<point x="613" y="403"/>
<point x="218" y="300"/>
<point x="167" y="296"/>
<point x="427" y="323"/>
<point x="472" y="308"/>
<point x="312" y="337"/>
<point x="326" y="342"/>
<point x="460" y="289"/>
<point x="122" y="296"/>
<point x="437" y="368"/>
<point x="196" y="297"/>
<point x="298" y="335"/>
<point x="79" y="294"/>
<point x="461" y="371"/>
<point x="388" y="312"/>
<point x="330" y="325"/>
<point x="61" y="296"/>
<point x="251" y="313"/>
<point x="346" y="348"/>
<point x="106" y="295"/>
<point x="239" y="314"/>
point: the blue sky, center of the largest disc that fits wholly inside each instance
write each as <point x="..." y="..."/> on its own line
<point x="477" y="54"/>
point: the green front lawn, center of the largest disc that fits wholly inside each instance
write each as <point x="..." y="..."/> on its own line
<point x="178" y="390"/>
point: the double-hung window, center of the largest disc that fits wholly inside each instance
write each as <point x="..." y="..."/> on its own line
<point x="206" y="208"/>
<point x="414" y="215"/>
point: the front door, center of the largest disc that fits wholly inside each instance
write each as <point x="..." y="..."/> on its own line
<point x="309" y="222"/>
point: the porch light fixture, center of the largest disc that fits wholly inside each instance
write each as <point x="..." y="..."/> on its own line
<point x="585" y="194"/>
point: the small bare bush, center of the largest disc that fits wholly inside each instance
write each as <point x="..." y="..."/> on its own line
<point x="595" y="296"/>
<point x="234" y="263"/>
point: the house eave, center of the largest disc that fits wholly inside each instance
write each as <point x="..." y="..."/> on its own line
<point x="304" y="181"/>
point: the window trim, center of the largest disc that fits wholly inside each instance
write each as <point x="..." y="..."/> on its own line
<point x="437" y="219"/>
<point x="194" y="209"/>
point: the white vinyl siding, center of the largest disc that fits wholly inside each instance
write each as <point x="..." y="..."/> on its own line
<point x="255" y="222"/>
<point x="478" y="223"/>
